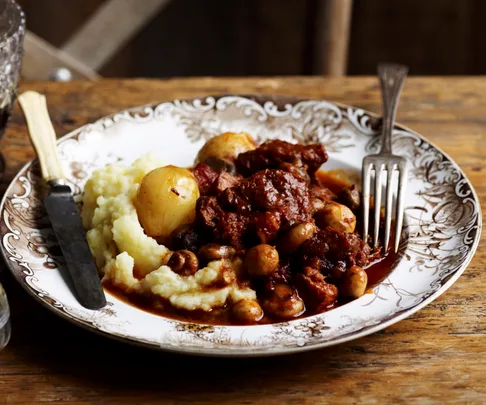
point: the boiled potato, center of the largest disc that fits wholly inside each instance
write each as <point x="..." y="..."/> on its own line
<point x="226" y="146"/>
<point x="166" y="200"/>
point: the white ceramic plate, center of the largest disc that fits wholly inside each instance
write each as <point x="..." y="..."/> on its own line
<point x="443" y="219"/>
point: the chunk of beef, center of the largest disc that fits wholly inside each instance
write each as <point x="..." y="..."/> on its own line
<point x="205" y="177"/>
<point x="283" y="275"/>
<point x="256" y="209"/>
<point x="211" y="182"/>
<point x="318" y="294"/>
<point x="267" y="224"/>
<point x="224" y="181"/>
<point x="318" y="196"/>
<point x="350" y="197"/>
<point x="320" y="192"/>
<point x="208" y="212"/>
<point x="186" y="238"/>
<point x="297" y="171"/>
<point x="272" y="154"/>
<point x="270" y="190"/>
<point x="329" y="247"/>
<point x="232" y="229"/>
<point x="224" y="227"/>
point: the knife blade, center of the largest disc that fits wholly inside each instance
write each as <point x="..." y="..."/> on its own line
<point x="71" y="236"/>
<point x="60" y="205"/>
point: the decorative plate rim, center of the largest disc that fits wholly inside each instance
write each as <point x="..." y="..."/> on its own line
<point x="269" y="351"/>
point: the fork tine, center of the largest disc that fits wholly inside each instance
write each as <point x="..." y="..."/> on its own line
<point x="402" y="178"/>
<point x="377" y="202"/>
<point x="388" y="204"/>
<point x="366" y="176"/>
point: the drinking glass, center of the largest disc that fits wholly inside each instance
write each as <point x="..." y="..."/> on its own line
<point x="12" y="30"/>
<point x="4" y="319"/>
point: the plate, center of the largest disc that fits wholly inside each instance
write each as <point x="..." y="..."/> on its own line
<point x="442" y="230"/>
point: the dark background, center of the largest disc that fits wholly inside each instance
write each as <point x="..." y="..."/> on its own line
<point x="278" y="37"/>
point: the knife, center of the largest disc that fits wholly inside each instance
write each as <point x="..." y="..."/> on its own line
<point x="60" y="205"/>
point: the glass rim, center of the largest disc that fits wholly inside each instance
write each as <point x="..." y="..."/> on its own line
<point x="11" y="10"/>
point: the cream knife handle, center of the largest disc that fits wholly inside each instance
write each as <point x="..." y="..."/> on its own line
<point x="42" y="135"/>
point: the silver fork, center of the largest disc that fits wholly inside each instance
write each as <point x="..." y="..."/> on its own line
<point x="392" y="77"/>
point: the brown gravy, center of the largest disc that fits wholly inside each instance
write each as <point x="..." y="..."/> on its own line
<point x="377" y="271"/>
<point x="334" y="181"/>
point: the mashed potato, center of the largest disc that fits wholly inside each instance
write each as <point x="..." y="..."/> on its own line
<point x="135" y="262"/>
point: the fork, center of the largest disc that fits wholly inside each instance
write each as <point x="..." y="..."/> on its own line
<point x="392" y="77"/>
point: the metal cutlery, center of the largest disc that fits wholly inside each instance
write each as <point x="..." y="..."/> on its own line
<point x="60" y="205"/>
<point x="392" y="77"/>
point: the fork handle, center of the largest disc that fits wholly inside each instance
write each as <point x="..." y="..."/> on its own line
<point x="392" y="76"/>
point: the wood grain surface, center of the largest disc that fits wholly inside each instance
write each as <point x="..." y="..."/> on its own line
<point x="437" y="356"/>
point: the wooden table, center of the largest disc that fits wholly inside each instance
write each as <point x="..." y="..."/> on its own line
<point x="436" y="356"/>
